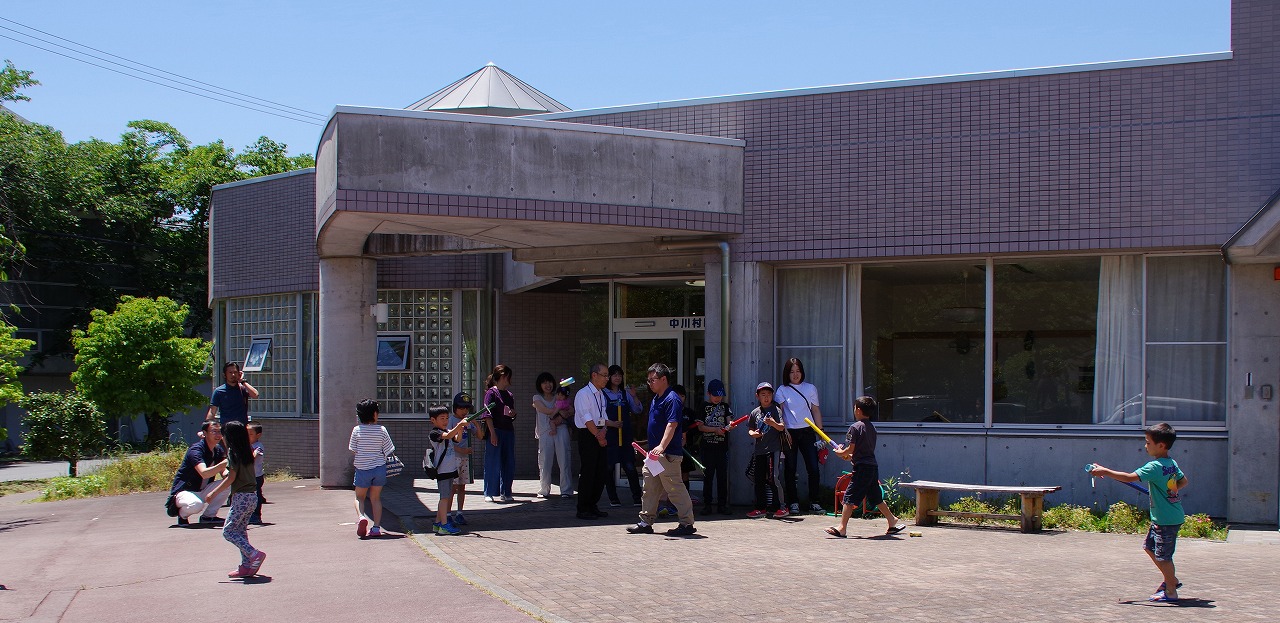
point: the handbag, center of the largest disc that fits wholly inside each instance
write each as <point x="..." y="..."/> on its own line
<point x="394" y="465"/>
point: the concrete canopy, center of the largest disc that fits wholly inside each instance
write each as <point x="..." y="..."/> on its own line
<point x="1258" y="241"/>
<point x="394" y="182"/>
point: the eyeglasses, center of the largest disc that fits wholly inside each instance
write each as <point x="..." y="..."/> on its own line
<point x="651" y="381"/>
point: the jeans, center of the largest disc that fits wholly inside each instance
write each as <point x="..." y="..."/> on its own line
<point x="803" y="439"/>
<point x="500" y="464"/>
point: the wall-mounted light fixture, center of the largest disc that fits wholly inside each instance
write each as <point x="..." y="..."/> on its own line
<point x="379" y="311"/>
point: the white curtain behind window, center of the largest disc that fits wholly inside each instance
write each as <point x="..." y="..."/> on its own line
<point x="1117" y="389"/>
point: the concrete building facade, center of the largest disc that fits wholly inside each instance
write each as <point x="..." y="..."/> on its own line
<point x="1024" y="267"/>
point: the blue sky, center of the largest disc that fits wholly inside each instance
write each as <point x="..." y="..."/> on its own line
<point x="315" y="55"/>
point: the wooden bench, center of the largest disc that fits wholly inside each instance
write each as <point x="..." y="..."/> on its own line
<point x="927" y="512"/>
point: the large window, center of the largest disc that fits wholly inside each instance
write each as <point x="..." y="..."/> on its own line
<point x="923" y="341"/>
<point x="417" y="347"/>
<point x="1186" y="340"/>
<point x="270" y="323"/>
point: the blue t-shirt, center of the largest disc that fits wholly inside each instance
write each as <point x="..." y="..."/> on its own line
<point x="666" y="409"/>
<point x="232" y="404"/>
<point x="1162" y="476"/>
<point x="187" y="478"/>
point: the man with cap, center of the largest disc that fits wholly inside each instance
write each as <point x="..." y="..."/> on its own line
<point x="714" y="425"/>
<point x="462" y="407"/>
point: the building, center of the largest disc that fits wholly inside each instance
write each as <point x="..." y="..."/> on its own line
<point x="1024" y="267"/>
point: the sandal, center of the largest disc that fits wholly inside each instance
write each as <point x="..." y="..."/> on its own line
<point x="833" y="531"/>
<point x="896" y="529"/>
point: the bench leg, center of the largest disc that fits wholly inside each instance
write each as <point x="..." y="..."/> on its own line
<point x="1032" y="512"/>
<point x="926" y="500"/>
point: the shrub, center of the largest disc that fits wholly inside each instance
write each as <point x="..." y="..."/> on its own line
<point x="1068" y="517"/>
<point x="1200" y="526"/>
<point x="1126" y="518"/>
<point x="65" y="487"/>
<point x="63" y="426"/>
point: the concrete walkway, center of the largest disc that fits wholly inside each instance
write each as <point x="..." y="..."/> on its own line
<point x="119" y="559"/>
<point x="565" y="569"/>
<point x="39" y="470"/>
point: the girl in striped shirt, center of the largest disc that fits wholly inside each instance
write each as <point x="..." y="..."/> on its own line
<point x="371" y="444"/>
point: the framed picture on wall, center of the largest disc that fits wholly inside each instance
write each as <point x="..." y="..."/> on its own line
<point x="393" y="351"/>
<point x="259" y="356"/>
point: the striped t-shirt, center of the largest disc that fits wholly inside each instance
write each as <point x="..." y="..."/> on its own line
<point x="372" y="444"/>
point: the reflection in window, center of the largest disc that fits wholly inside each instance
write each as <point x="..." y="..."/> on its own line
<point x="1045" y="341"/>
<point x="660" y="300"/>
<point x="259" y="355"/>
<point x="393" y="352"/>
<point x="923" y="341"/>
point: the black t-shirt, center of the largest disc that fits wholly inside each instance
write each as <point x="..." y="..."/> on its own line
<point x="187" y="478"/>
<point x="772" y="440"/>
<point x="862" y="435"/>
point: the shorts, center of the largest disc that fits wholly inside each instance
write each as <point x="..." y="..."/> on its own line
<point x="864" y="483"/>
<point x="375" y="477"/>
<point x="464" y="471"/>
<point x="446" y="487"/>
<point x="1161" y="541"/>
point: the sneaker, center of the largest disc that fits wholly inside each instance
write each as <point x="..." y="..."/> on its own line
<point x="640" y="528"/>
<point x="241" y="572"/>
<point x="613" y="504"/>
<point x="682" y="530"/>
<point x="449" y="529"/>
<point x="508" y="499"/>
<point x="755" y="514"/>
<point x="255" y="519"/>
<point x="362" y="527"/>
<point x="795" y="508"/>
<point x="488" y="498"/>
<point x="255" y="561"/>
<point x="375" y="532"/>
<point x="780" y="513"/>
<point x="541" y="496"/>
<point x="459" y="520"/>
<point x="817" y="508"/>
<point x="435" y="527"/>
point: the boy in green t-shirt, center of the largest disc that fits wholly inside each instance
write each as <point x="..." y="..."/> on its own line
<point x="1165" y="481"/>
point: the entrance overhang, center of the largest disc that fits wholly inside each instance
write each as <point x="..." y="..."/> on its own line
<point x="555" y="194"/>
<point x="1258" y="241"/>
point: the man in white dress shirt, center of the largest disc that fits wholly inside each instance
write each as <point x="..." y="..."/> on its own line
<point x="589" y="417"/>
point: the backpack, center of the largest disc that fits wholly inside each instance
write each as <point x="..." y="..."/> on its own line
<point x="431" y="462"/>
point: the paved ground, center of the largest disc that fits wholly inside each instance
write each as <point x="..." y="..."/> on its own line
<point x="737" y="569"/>
<point x="117" y="559"/>
<point x="38" y="470"/>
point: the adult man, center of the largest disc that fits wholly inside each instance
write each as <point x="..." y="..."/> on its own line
<point x="665" y="446"/>
<point x="230" y="401"/>
<point x="589" y="417"/>
<point x="204" y="460"/>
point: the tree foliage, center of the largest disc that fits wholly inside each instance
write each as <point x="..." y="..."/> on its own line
<point x="135" y="360"/>
<point x="12" y="349"/>
<point x="112" y="218"/>
<point x="62" y="426"/>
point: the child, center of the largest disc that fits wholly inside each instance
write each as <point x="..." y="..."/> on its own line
<point x="766" y="428"/>
<point x="446" y="465"/>
<point x="462" y="406"/>
<point x="1165" y="481"/>
<point x="259" y="462"/>
<point x="371" y="444"/>
<point x="244" y="495"/>
<point x="860" y="449"/>
<point x="716" y="416"/>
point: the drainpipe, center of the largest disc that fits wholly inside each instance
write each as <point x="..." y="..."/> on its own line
<point x="664" y="244"/>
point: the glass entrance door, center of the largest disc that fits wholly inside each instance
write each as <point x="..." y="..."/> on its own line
<point x="637" y="351"/>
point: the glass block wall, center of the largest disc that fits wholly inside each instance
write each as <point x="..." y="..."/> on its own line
<point x="276" y="317"/>
<point x="428" y="317"/>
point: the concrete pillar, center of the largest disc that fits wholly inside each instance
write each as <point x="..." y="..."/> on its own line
<point x="1253" y="414"/>
<point x="348" y="358"/>
<point x="751" y="349"/>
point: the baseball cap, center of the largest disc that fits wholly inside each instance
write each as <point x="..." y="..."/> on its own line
<point x="463" y="400"/>
<point x="764" y="385"/>
<point x="715" y="387"/>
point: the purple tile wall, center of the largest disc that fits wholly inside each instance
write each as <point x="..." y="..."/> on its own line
<point x="1151" y="157"/>
<point x="262" y="238"/>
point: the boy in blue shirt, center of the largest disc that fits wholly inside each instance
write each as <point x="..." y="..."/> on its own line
<point x="1165" y="482"/>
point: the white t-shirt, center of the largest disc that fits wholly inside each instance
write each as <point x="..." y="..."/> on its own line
<point x="792" y="400"/>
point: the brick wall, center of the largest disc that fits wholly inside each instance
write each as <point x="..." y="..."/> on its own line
<point x="293" y="444"/>
<point x="262" y="237"/>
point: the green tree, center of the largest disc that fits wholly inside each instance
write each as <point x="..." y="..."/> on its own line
<point x="135" y="360"/>
<point x="62" y="426"/>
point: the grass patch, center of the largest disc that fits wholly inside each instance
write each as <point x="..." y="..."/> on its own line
<point x="152" y="471"/>
<point x="12" y="487"/>
<point x="282" y="475"/>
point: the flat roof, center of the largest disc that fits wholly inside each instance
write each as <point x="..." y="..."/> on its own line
<point x="264" y="178"/>
<point x="898" y="83"/>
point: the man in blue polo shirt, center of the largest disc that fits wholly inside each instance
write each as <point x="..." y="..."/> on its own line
<point x="665" y="446"/>
<point x="230" y="401"/>
<point x="205" y="460"/>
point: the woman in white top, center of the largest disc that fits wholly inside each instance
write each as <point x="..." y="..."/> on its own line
<point x="552" y="431"/>
<point x="799" y="400"/>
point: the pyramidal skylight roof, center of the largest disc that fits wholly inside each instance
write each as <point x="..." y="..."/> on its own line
<point x="489" y="91"/>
